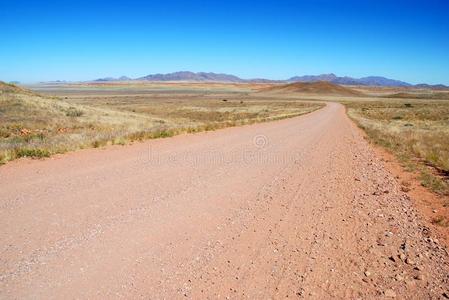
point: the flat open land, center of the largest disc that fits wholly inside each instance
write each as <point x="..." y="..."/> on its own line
<point x="67" y="118"/>
<point x="300" y="207"/>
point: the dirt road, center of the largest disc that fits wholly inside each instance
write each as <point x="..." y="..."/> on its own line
<point x="298" y="208"/>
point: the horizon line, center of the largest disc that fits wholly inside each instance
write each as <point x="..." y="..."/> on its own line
<point x="115" y="78"/>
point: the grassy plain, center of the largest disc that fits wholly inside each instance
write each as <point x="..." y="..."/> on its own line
<point x="59" y="118"/>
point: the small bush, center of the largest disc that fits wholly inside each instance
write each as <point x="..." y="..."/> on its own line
<point x="73" y="112"/>
<point x="192" y="129"/>
<point x="434" y="183"/>
<point x="138" y="136"/>
<point x="163" y="134"/>
<point x="119" y="141"/>
<point x="3" y="157"/>
<point x="98" y="143"/>
<point x="4" y="133"/>
<point x="33" y="153"/>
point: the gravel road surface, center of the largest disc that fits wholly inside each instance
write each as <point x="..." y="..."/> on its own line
<point x="297" y="208"/>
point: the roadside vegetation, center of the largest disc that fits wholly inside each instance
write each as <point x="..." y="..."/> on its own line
<point x="416" y="131"/>
<point x="38" y="126"/>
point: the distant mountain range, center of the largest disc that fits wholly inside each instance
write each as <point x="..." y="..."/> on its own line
<point x="370" y="81"/>
<point x="106" y="79"/>
<point x="218" y="77"/>
<point x="190" y="76"/>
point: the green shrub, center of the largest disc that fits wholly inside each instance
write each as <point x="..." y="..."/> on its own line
<point x="33" y="153"/>
<point x="99" y="143"/>
<point x="163" y="134"/>
<point x="73" y="112"/>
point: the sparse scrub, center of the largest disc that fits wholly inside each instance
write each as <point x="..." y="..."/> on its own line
<point x="39" y="126"/>
<point x="34" y="153"/>
<point x="73" y="112"/>
<point x="416" y="131"/>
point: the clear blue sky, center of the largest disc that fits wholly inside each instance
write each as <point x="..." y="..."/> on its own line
<point x="81" y="40"/>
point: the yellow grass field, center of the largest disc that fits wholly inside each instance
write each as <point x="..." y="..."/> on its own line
<point x="37" y="125"/>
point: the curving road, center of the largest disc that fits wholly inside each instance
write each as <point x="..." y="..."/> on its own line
<point x="298" y="208"/>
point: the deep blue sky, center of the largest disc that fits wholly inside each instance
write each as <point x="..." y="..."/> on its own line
<point x="81" y="40"/>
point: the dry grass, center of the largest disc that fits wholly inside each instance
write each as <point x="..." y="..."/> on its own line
<point x="39" y="126"/>
<point x="416" y="131"/>
<point x="80" y="116"/>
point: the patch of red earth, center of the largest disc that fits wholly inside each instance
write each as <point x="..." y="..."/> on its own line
<point x="430" y="205"/>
